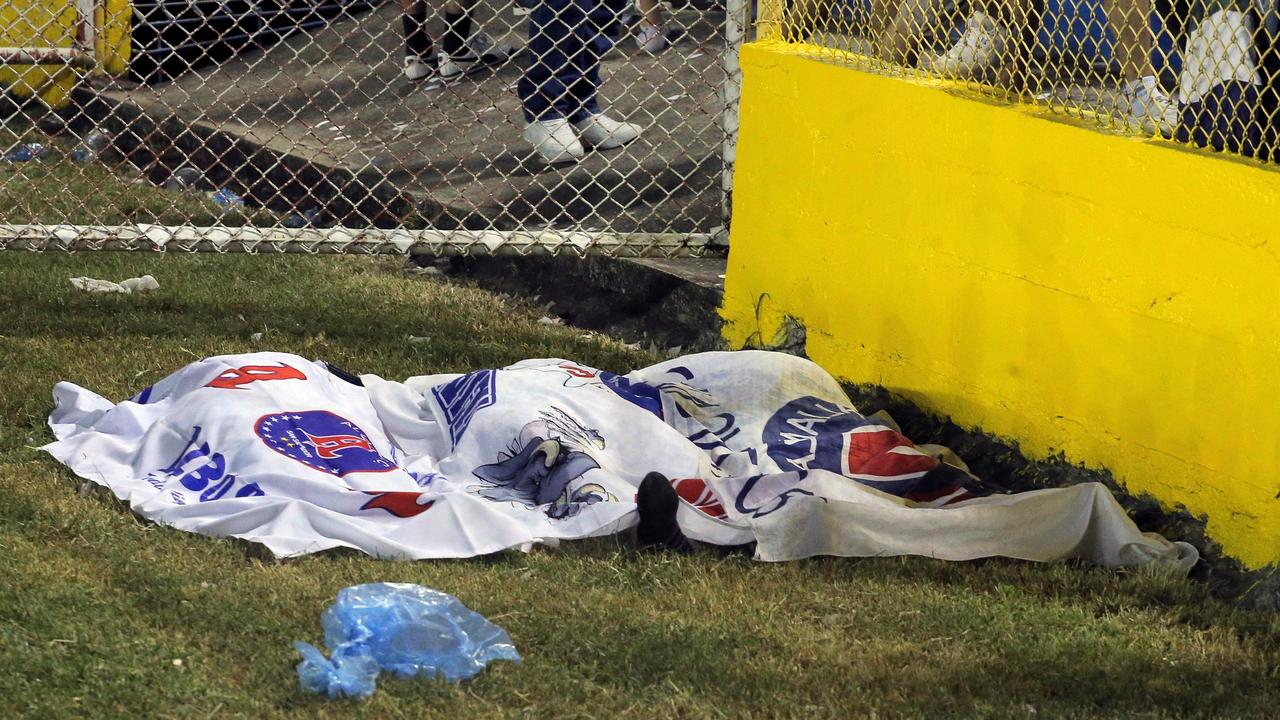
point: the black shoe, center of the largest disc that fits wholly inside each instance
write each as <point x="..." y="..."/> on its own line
<point x="657" y="502"/>
<point x="341" y="374"/>
<point x="480" y="52"/>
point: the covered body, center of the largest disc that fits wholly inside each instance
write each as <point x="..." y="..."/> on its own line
<point x="761" y="447"/>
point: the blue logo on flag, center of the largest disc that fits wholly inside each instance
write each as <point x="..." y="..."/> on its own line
<point x="462" y="398"/>
<point x="808" y="434"/>
<point x="321" y="441"/>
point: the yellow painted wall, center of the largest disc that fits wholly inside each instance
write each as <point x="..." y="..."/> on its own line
<point x="51" y="23"/>
<point x="1114" y="298"/>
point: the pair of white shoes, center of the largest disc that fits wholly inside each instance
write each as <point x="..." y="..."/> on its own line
<point x="480" y="52"/>
<point x="980" y="47"/>
<point x="560" y="141"/>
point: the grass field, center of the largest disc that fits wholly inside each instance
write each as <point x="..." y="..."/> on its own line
<point x="103" y="615"/>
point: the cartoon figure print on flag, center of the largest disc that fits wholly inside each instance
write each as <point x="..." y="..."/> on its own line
<point x="537" y="468"/>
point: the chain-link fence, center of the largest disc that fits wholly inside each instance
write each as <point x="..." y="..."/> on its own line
<point x="478" y="126"/>
<point x="1202" y="72"/>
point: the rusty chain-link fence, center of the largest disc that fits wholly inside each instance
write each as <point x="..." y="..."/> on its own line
<point x="437" y="126"/>
<point x="517" y="126"/>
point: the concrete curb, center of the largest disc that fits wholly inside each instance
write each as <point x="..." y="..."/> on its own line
<point x="672" y="303"/>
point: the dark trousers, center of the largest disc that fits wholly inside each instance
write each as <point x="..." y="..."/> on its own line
<point x="567" y="38"/>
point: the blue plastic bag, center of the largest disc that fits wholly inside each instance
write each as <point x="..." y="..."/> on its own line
<point x="311" y="216"/>
<point x="27" y="153"/>
<point x="227" y="199"/>
<point x="406" y="629"/>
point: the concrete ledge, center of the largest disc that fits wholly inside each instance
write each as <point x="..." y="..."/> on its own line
<point x="667" y="303"/>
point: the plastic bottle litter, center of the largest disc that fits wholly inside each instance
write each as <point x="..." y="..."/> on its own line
<point x="227" y="199"/>
<point x="91" y="147"/>
<point x="184" y="178"/>
<point x="27" y="152"/>
<point x="406" y="629"/>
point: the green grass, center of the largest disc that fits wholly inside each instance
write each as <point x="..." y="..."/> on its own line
<point x="97" y="607"/>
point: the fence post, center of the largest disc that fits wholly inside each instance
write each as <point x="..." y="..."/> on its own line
<point x="736" y="21"/>
<point x="769" y="19"/>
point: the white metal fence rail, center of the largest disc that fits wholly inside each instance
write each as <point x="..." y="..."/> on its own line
<point x="372" y="126"/>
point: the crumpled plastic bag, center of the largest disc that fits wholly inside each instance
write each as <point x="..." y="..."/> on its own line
<point x="406" y="629"/>
<point x="138" y="284"/>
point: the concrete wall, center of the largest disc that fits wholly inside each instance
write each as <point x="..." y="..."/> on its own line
<point x="52" y="23"/>
<point x="1113" y="298"/>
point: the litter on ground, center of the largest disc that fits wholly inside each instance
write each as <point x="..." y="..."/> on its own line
<point x="132" y="285"/>
<point x="408" y="630"/>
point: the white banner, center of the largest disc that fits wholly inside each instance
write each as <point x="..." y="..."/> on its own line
<point x="761" y="447"/>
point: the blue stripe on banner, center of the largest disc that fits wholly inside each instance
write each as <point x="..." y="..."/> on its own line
<point x="460" y="399"/>
<point x="640" y="394"/>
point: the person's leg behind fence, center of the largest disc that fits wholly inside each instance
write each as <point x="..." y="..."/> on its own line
<point x="559" y="89"/>
<point x="1144" y="103"/>
<point x="419" y="51"/>
<point x="463" y="47"/>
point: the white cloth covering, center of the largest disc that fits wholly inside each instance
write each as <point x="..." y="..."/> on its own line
<point x="761" y="447"/>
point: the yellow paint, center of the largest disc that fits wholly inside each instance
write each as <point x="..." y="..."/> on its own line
<point x="115" y="20"/>
<point x="1113" y="298"/>
<point x="769" y="15"/>
<point x="44" y="23"/>
<point x="51" y="23"/>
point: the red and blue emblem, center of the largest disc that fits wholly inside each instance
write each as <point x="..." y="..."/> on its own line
<point x="811" y="434"/>
<point x="322" y="441"/>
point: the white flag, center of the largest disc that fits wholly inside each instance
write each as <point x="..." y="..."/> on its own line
<point x="761" y="447"/>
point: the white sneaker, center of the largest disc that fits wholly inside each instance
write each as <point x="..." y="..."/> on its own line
<point x="416" y="68"/>
<point x="481" y="52"/>
<point x="1149" y="107"/>
<point x="604" y="133"/>
<point x="980" y="47"/>
<point x="651" y="38"/>
<point x="554" y="140"/>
